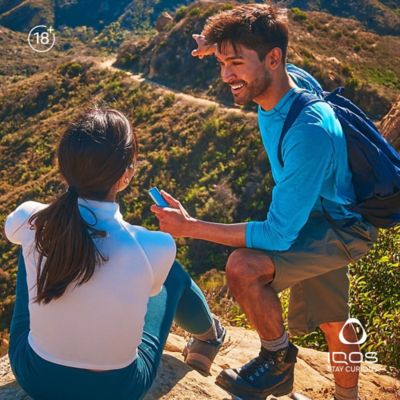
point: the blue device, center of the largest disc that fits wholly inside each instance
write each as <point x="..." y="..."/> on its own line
<point x="157" y="197"/>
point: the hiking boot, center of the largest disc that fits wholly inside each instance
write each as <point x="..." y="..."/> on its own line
<point x="269" y="373"/>
<point x="200" y="354"/>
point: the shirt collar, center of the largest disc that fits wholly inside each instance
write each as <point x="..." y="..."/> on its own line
<point x="102" y="210"/>
<point x="283" y="105"/>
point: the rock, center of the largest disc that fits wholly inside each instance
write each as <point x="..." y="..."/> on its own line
<point x="163" y="21"/>
<point x="333" y="60"/>
<point x="176" y="381"/>
<point x="390" y="125"/>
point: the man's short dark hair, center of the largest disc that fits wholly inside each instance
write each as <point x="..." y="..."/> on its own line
<point x="259" y="27"/>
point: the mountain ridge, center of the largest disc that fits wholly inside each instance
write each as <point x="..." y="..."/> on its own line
<point x="380" y="16"/>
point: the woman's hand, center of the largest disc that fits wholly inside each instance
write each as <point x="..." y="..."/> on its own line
<point x="174" y="219"/>
<point x="203" y="47"/>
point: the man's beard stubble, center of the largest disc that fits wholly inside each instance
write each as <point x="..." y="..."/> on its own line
<point x="255" y="89"/>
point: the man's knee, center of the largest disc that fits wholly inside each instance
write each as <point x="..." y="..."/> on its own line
<point x="236" y="265"/>
<point x="246" y="266"/>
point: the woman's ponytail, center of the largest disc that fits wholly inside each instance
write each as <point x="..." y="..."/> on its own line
<point x="64" y="241"/>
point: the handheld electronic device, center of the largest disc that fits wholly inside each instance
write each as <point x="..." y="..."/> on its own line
<point x="157" y="197"/>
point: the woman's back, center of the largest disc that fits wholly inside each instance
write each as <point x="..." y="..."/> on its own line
<point x="97" y="325"/>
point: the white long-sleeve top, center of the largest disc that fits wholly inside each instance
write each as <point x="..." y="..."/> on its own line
<point x="99" y="324"/>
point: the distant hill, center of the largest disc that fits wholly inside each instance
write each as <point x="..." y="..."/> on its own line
<point x="382" y="16"/>
<point x="21" y="15"/>
<point x="361" y="61"/>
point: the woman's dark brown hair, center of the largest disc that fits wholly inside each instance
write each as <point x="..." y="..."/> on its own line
<point x="93" y="154"/>
<point x="260" y="27"/>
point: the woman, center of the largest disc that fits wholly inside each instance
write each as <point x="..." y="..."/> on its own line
<point x="97" y="297"/>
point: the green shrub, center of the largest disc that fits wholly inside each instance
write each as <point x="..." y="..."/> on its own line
<point x="352" y="83"/>
<point x="338" y="35"/>
<point x="387" y="77"/>
<point x="375" y="297"/>
<point x="298" y="15"/>
<point x="169" y="99"/>
<point x="194" y="12"/>
<point x="346" y="70"/>
<point x="111" y="37"/>
<point x="72" y="69"/>
<point x="181" y="13"/>
<point x="310" y="28"/>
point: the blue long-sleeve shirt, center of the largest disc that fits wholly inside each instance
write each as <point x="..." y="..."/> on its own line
<point x="314" y="152"/>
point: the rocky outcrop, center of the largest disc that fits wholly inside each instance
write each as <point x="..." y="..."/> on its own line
<point x="177" y="381"/>
<point x="163" y="21"/>
<point x="390" y="125"/>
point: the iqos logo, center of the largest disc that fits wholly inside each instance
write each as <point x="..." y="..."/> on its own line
<point x="349" y="362"/>
<point x="361" y="328"/>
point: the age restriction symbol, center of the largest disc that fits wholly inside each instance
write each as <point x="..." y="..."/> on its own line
<point x="41" y="39"/>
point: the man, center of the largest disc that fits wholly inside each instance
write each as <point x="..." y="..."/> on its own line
<point x="309" y="236"/>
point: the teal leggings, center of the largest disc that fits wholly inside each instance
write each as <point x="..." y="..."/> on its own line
<point x="180" y="300"/>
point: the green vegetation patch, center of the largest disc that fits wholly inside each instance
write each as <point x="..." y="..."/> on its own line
<point x="298" y="15"/>
<point x="386" y="77"/>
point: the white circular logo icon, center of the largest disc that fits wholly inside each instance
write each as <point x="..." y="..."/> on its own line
<point x="41" y="39"/>
<point x="357" y="323"/>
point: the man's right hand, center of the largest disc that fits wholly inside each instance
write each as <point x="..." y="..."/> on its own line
<point x="203" y="48"/>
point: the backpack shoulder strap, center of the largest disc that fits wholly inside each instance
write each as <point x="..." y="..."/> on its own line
<point x="303" y="100"/>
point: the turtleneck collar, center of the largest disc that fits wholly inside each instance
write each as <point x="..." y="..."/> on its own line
<point x="102" y="209"/>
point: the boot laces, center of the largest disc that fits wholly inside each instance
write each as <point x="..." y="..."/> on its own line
<point x="256" y="367"/>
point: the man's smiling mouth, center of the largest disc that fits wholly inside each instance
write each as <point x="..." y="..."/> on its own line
<point x="237" y="86"/>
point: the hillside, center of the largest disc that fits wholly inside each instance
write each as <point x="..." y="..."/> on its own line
<point x="18" y="61"/>
<point x="176" y="381"/>
<point x="381" y="16"/>
<point x="21" y="15"/>
<point x="373" y="85"/>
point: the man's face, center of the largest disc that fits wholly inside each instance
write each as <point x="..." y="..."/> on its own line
<point x="243" y="71"/>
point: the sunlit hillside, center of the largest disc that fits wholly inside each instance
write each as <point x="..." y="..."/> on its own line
<point x="354" y="63"/>
<point x="381" y="16"/>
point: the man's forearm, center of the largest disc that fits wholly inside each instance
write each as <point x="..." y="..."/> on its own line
<point x="228" y="234"/>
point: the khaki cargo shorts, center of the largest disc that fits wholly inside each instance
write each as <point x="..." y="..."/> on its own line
<point x="315" y="269"/>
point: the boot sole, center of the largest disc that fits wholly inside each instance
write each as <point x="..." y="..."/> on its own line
<point x="278" y="391"/>
<point x="202" y="366"/>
